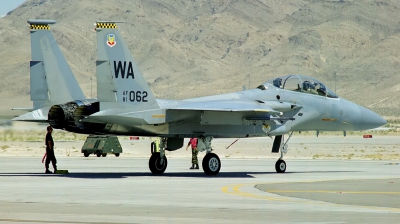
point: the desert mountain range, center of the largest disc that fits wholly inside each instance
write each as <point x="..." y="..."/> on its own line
<point x="192" y="48"/>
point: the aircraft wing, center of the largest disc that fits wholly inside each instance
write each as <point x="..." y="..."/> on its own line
<point x="233" y="112"/>
<point x="228" y="106"/>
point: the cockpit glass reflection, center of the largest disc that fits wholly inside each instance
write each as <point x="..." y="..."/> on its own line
<point x="303" y="84"/>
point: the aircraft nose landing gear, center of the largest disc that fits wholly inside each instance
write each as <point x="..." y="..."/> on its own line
<point x="280" y="165"/>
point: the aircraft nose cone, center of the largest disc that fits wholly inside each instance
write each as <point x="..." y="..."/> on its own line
<point x="369" y="119"/>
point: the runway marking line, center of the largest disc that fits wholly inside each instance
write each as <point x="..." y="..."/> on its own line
<point x="235" y="190"/>
<point x="330" y="192"/>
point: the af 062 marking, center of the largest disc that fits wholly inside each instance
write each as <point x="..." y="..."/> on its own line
<point x="134" y="96"/>
<point x="121" y="69"/>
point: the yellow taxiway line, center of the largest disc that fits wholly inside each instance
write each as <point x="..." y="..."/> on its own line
<point x="236" y="190"/>
<point x="330" y="192"/>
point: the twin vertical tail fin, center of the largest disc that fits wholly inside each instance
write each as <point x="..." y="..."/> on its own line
<point x="51" y="79"/>
<point x="119" y="79"/>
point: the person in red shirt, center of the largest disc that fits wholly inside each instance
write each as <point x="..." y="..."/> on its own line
<point x="195" y="151"/>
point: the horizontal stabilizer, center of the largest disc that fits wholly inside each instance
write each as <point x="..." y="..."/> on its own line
<point x="39" y="115"/>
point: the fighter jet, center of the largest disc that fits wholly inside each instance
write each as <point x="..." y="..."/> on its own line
<point x="275" y="108"/>
<point x="278" y="107"/>
<point x="53" y="87"/>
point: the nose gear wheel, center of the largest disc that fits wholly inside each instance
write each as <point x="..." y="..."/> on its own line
<point x="280" y="166"/>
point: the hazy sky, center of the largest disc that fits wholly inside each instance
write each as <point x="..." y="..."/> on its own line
<point x="8" y="5"/>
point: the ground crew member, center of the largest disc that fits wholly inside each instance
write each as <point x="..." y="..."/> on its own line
<point x="50" y="151"/>
<point x="195" y="151"/>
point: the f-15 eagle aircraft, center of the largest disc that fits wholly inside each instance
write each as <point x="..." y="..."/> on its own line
<point x="275" y="108"/>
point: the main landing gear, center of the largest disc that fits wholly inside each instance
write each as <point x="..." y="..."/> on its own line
<point x="280" y="165"/>
<point x="211" y="162"/>
<point x="158" y="162"/>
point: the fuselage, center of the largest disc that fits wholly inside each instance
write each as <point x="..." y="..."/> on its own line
<point x="316" y="112"/>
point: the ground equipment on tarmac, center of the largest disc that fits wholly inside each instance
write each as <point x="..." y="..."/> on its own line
<point x="101" y="146"/>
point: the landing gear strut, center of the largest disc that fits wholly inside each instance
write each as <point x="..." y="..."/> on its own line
<point x="158" y="162"/>
<point x="280" y="165"/>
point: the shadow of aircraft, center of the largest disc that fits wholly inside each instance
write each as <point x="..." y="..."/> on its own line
<point x="119" y="175"/>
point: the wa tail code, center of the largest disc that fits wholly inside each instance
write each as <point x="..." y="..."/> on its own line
<point x="120" y="68"/>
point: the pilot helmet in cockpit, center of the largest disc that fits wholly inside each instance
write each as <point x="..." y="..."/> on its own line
<point x="278" y="82"/>
<point x="306" y="85"/>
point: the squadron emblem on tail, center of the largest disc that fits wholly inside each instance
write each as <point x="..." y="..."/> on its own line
<point x="111" y="40"/>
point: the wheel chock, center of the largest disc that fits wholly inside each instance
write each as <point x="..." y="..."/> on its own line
<point x="61" y="171"/>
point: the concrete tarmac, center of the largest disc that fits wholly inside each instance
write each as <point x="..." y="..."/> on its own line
<point x="122" y="190"/>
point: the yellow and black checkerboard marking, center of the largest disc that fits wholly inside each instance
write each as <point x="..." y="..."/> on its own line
<point x="39" y="27"/>
<point x="106" y="25"/>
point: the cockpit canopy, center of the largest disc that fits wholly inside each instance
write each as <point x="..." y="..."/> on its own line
<point x="302" y="84"/>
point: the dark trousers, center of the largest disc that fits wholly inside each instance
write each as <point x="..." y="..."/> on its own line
<point x="50" y="157"/>
<point x="195" y="151"/>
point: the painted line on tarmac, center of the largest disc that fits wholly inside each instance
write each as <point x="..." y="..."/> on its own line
<point x="46" y="221"/>
<point x="330" y="192"/>
<point x="235" y="190"/>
